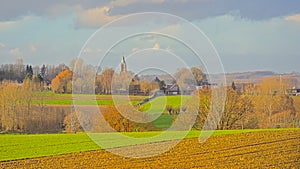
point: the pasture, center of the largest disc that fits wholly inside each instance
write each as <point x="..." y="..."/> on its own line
<point x="50" y="98"/>
<point x="157" y="107"/>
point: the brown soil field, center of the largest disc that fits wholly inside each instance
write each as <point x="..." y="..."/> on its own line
<point x="272" y="149"/>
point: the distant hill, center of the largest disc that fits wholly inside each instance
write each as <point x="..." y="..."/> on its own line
<point x="255" y="76"/>
<point x="239" y="77"/>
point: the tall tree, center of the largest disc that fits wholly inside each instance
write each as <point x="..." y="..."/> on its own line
<point x="43" y="72"/>
<point x="29" y="72"/>
<point x="104" y="81"/>
<point x="233" y="86"/>
<point x="62" y="83"/>
<point x="198" y="75"/>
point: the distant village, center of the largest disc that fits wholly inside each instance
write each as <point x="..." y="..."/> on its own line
<point x="167" y="86"/>
<point x="59" y="78"/>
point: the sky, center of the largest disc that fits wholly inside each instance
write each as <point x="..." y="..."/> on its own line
<point x="247" y="35"/>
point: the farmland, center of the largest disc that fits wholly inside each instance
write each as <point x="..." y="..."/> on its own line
<point x="265" y="149"/>
<point x="18" y="146"/>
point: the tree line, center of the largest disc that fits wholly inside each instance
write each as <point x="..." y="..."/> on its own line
<point x="264" y="105"/>
<point x="86" y="80"/>
<point x="241" y="111"/>
<point x="19" y="71"/>
<point x="23" y="109"/>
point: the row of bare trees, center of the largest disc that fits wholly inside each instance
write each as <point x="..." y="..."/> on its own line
<point x="109" y="81"/>
<point x="109" y="119"/>
<point x="19" y="71"/>
<point x="245" y="111"/>
<point x="22" y="109"/>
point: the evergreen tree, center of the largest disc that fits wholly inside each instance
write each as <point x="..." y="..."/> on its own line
<point x="233" y="86"/>
<point x="29" y="72"/>
<point x="43" y="72"/>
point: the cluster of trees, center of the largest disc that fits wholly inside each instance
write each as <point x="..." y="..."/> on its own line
<point x="105" y="82"/>
<point x="108" y="81"/>
<point x="244" y="111"/>
<point x="62" y="83"/>
<point x="19" y="71"/>
<point x="22" y="109"/>
<point x="275" y="111"/>
<point x="185" y="77"/>
<point x="275" y="85"/>
<point x="236" y="109"/>
<point x="113" y="120"/>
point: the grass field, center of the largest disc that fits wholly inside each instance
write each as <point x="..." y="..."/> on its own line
<point x="153" y="107"/>
<point x="163" y="122"/>
<point x="28" y="146"/>
<point x="159" y="104"/>
<point x="81" y="102"/>
<point x="265" y="149"/>
<point x="84" y="99"/>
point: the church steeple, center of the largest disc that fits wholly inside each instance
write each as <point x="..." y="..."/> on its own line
<point x="123" y="65"/>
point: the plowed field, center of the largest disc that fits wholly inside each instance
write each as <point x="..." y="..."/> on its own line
<point x="271" y="149"/>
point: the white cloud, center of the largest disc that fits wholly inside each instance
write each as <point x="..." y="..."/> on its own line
<point x="295" y="18"/>
<point x="15" y="23"/>
<point x="61" y="9"/>
<point x="99" y="50"/>
<point x="87" y="51"/>
<point x="33" y="49"/>
<point x="170" y="29"/>
<point x="156" y="46"/>
<point x="15" y="52"/>
<point x="2" y="45"/>
<point x="128" y="2"/>
<point x="123" y="3"/>
<point x="7" y="24"/>
<point x="134" y="49"/>
<point x="148" y="38"/>
<point x="95" y="17"/>
<point x="169" y="49"/>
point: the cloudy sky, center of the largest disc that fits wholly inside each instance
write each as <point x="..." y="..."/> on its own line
<point x="248" y="34"/>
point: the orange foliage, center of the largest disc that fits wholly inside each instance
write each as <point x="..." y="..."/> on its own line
<point x="123" y="124"/>
<point x="112" y="120"/>
<point x="62" y="83"/>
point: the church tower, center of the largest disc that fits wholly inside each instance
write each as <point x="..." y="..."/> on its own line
<point x="123" y="65"/>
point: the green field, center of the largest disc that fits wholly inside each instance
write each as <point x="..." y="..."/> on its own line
<point x="28" y="146"/>
<point x="163" y="122"/>
<point x="80" y="102"/>
<point x="158" y="106"/>
<point x="82" y="99"/>
<point x="153" y="107"/>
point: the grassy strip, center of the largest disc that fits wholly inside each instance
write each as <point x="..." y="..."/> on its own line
<point x="159" y="104"/>
<point x="97" y="96"/>
<point x="80" y="102"/>
<point x="14" y="146"/>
